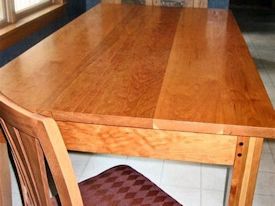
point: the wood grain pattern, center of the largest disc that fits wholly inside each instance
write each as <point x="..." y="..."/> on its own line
<point x="245" y="169"/>
<point x="149" y="143"/>
<point x="251" y="171"/>
<point x="140" y="67"/>
<point x="212" y="79"/>
<point x="238" y="171"/>
<point x="131" y="68"/>
<point x="147" y="67"/>
<point x="51" y="55"/>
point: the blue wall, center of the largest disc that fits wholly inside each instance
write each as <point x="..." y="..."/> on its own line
<point x="91" y="3"/>
<point x="73" y="9"/>
<point x="221" y="4"/>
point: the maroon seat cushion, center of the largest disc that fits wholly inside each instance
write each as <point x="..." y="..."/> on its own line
<point x="123" y="186"/>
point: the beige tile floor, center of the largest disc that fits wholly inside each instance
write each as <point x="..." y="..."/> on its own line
<point x="197" y="184"/>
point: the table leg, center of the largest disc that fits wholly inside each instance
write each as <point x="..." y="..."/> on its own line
<point x="227" y="186"/>
<point x="245" y="170"/>
<point x="5" y="179"/>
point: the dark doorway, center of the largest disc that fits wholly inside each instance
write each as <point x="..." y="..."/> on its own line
<point x="252" y="3"/>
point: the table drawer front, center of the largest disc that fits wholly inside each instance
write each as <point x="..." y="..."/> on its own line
<point x="194" y="147"/>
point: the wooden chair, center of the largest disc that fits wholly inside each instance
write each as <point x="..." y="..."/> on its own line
<point x="36" y="143"/>
<point x="165" y="3"/>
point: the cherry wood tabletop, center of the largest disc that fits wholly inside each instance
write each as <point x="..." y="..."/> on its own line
<point x="149" y="67"/>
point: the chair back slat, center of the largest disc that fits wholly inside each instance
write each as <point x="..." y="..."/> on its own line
<point x="29" y="160"/>
<point x="34" y="139"/>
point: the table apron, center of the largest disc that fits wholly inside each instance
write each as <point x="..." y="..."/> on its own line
<point x="152" y="143"/>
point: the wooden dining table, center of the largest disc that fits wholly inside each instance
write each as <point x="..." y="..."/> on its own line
<point x="167" y="83"/>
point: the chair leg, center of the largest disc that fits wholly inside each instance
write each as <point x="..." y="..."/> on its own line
<point x="245" y="170"/>
<point x="5" y="179"/>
